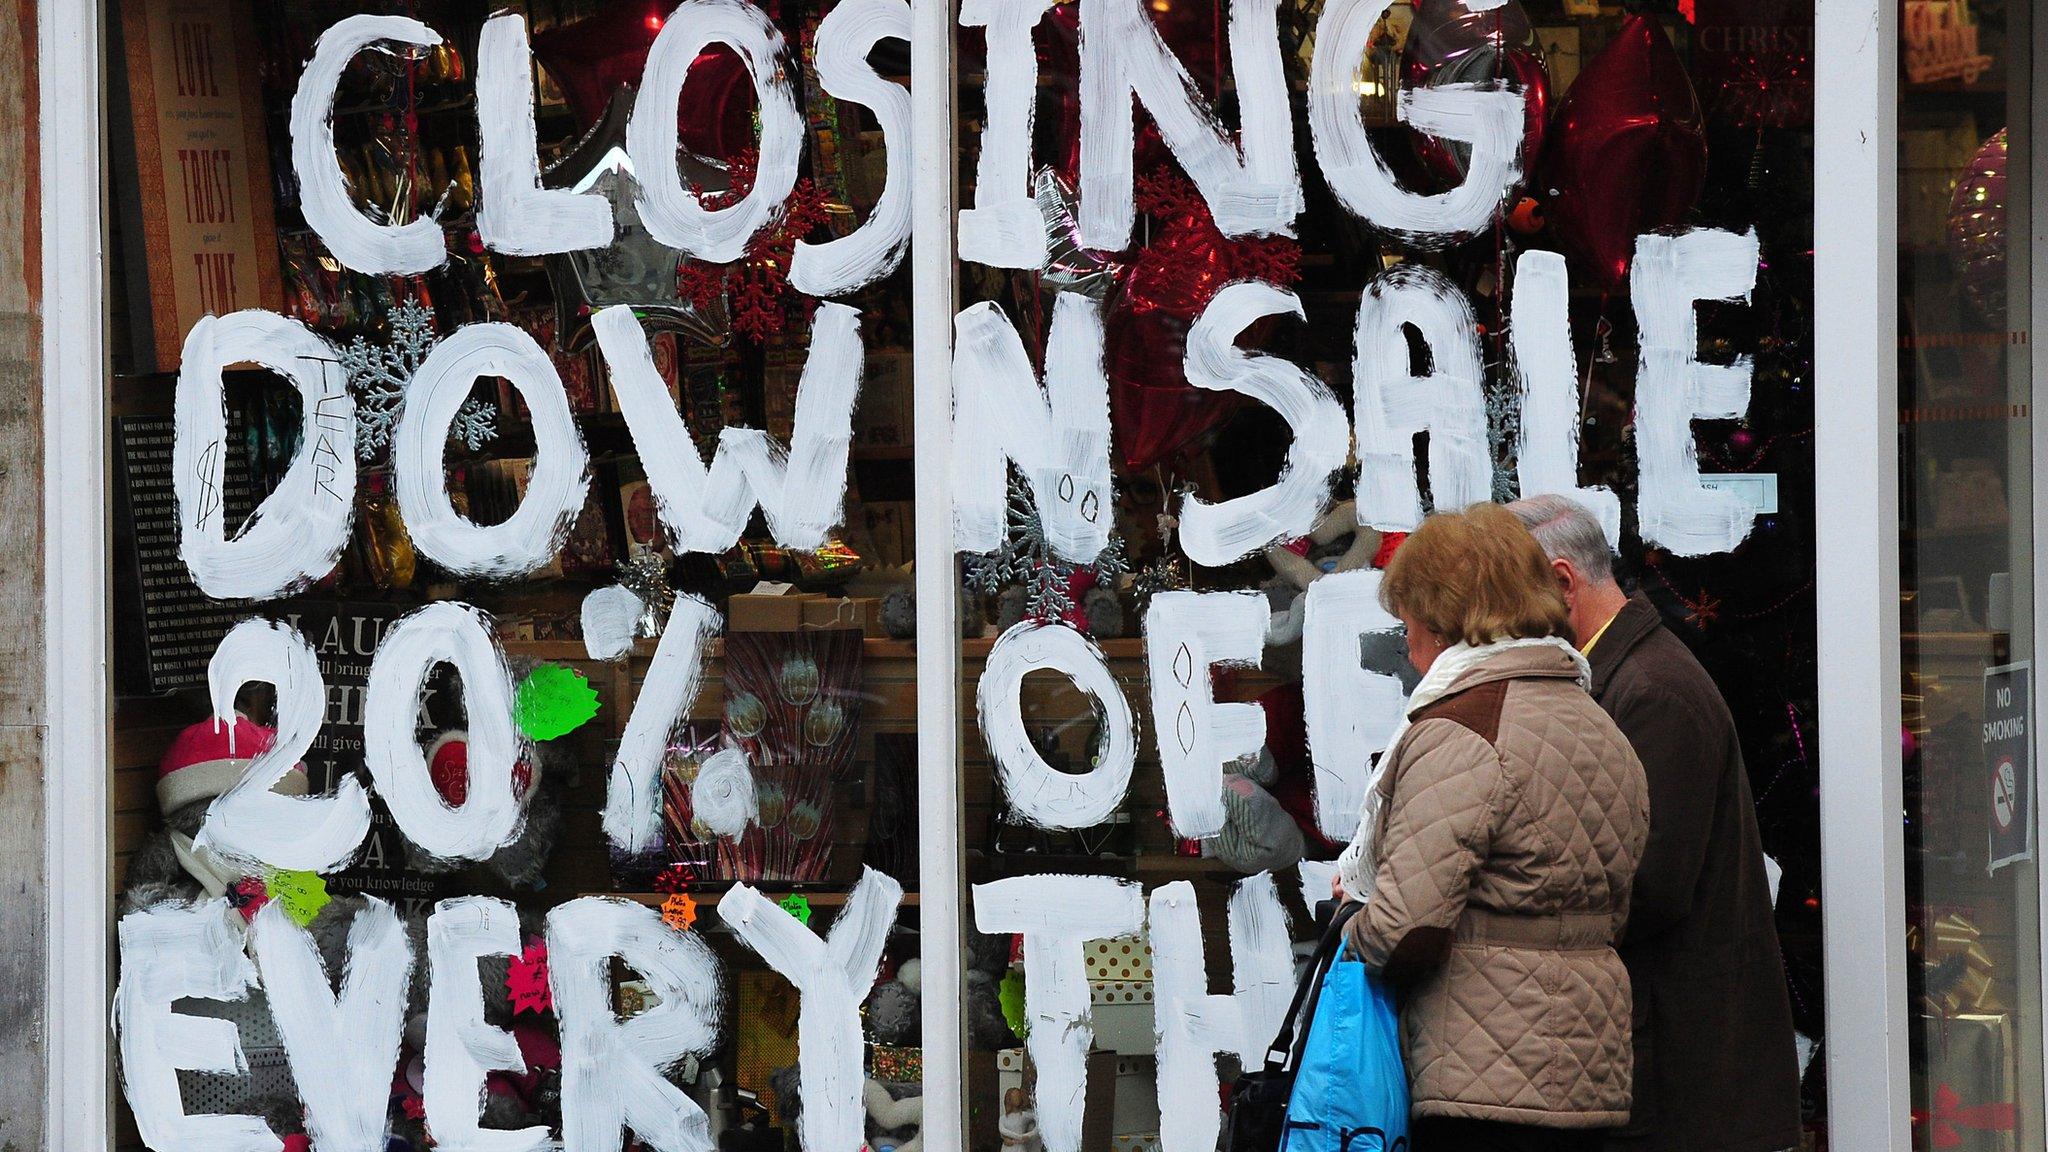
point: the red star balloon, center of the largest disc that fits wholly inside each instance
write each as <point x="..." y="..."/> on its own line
<point x="1627" y="153"/>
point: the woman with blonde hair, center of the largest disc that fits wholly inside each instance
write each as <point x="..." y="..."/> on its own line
<point x="1496" y="851"/>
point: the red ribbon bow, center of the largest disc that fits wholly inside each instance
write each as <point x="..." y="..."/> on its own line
<point x="1950" y="1116"/>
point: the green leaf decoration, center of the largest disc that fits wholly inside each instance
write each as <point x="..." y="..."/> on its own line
<point x="1010" y="994"/>
<point x="554" y="700"/>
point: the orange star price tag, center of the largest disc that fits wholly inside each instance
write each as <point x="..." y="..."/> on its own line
<point x="679" y="911"/>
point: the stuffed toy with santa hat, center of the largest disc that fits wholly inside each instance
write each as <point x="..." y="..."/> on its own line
<point x="204" y="761"/>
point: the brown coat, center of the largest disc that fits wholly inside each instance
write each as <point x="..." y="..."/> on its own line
<point x="1715" y="1068"/>
<point x="1511" y="816"/>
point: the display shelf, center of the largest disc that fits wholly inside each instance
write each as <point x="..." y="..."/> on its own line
<point x="817" y="896"/>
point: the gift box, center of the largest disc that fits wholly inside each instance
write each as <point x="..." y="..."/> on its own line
<point x="1134" y="1114"/>
<point x="1120" y="994"/>
<point x="1969" y="1102"/>
<point x="1123" y="958"/>
<point x="1122" y="1014"/>
<point x="767" y="611"/>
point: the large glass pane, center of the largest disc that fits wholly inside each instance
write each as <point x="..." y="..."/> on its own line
<point x="1098" y="260"/>
<point x="1966" y="381"/>
<point x="523" y="309"/>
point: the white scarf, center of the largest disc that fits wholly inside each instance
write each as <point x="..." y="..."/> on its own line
<point x="1450" y="665"/>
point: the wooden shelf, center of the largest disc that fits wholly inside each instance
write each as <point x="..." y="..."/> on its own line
<point x="828" y="898"/>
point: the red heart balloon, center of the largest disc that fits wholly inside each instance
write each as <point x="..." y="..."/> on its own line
<point x="1627" y="153"/>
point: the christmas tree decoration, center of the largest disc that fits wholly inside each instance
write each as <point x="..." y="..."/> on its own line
<point x="378" y="375"/>
<point x="755" y="290"/>
<point x="1053" y="587"/>
<point x="1976" y="230"/>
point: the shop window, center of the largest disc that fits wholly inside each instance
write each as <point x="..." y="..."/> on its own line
<point x="515" y="488"/>
<point x="551" y="536"/>
<point x="1967" y="575"/>
<point x="1237" y="360"/>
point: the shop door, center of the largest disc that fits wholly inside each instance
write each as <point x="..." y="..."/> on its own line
<point x="1967" y="380"/>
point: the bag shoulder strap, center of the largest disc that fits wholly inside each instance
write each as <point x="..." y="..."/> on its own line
<point x="1285" y="1051"/>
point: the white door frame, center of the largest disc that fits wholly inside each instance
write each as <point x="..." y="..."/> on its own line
<point x="1856" y="470"/>
<point x="1856" y="467"/>
<point x="75" y="591"/>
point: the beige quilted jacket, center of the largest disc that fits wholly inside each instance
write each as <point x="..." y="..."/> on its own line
<point x="1511" y="817"/>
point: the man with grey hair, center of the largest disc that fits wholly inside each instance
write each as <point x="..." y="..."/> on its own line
<point x="1715" y="1069"/>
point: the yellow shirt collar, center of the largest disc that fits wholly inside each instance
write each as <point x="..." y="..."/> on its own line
<point x="1588" y="649"/>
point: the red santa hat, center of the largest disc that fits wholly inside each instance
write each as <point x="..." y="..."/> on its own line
<point x="207" y="758"/>
<point x="448" y="768"/>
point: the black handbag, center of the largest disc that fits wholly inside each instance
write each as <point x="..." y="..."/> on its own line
<point x="1258" y="1101"/>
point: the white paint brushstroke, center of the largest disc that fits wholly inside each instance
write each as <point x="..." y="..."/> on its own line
<point x="845" y="37"/>
<point x="1487" y="117"/>
<point x="1261" y="964"/>
<point x="632" y="801"/>
<point x="613" y="1069"/>
<point x="611" y="621"/>
<point x="1123" y="57"/>
<point x="1185" y="634"/>
<point x="722" y="795"/>
<point x="297" y="534"/>
<point x="515" y="215"/>
<point x="249" y="821"/>
<point x="1039" y="793"/>
<point x="832" y="977"/>
<point x="169" y="953"/>
<point x="1350" y="712"/>
<point x="1547" y="373"/>
<point x="462" y="1048"/>
<point x="1219" y="534"/>
<point x="1004" y="228"/>
<point x="358" y="242"/>
<point x="1674" y="511"/>
<point x="445" y="632"/>
<point x="1391" y="404"/>
<point x="669" y="210"/>
<point x="342" y="1048"/>
<point x="1316" y="878"/>
<point x="1057" y="915"/>
<point x="801" y="492"/>
<point x="1193" y="1026"/>
<point x="1057" y="433"/>
<point x="528" y="539"/>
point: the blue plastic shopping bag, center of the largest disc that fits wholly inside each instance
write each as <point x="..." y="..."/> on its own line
<point x="1351" y="1088"/>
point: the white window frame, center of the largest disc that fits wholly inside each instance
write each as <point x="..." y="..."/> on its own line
<point x="1856" y="528"/>
<point x="1857" y="543"/>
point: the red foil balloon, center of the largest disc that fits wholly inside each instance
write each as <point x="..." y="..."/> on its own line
<point x="593" y="57"/>
<point x="1449" y="43"/>
<point x="1627" y="153"/>
<point x="1153" y="410"/>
